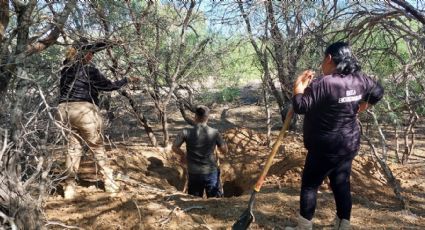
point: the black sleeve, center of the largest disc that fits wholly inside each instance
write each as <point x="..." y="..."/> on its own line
<point x="312" y="96"/>
<point x="101" y="83"/>
<point x="374" y="91"/>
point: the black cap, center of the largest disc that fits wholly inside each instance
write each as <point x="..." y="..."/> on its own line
<point x="84" y="45"/>
<point x="202" y="111"/>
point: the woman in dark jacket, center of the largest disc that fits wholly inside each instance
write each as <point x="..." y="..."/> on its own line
<point x="80" y="85"/>
<point x="330" y="104"/>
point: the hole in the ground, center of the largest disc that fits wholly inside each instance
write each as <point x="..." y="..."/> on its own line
<point x="172" y="175"/>
<point x="230" y="188"/>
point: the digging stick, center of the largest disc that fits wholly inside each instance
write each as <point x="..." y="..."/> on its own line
<point x="247" y="216"/>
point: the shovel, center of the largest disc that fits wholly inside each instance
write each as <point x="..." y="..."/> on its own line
<point x="247" y="216"/>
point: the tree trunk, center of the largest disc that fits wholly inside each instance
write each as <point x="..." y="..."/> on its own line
<point x="267" y="108"/>
<point x="164" y="123"/>
<point x="141" y="118"/>
<point x="409" y="147"/>
<point x="390" y="176"/>
<point x="182" y="109"/>
<point x="381" y="135"/>
<point x="397" y="143"/>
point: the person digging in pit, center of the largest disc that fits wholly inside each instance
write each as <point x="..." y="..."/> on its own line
<point x="331" y="103"/>
<point x="78" y="111"/>
<point x="201" y="141"/>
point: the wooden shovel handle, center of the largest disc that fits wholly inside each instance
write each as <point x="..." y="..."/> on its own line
<point x="276" y="146"/>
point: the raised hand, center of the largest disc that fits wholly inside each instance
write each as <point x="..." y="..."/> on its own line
<point x="302" y="81"/>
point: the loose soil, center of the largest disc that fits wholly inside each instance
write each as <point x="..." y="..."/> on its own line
<point x="152" y="183"/>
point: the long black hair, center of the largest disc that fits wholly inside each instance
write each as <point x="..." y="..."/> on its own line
<point x="343" y="58"/>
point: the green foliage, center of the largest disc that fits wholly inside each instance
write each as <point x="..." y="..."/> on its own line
<point x="238" y="65"/>
<point x="229" y="94"/>
<point x="223" y="95"/>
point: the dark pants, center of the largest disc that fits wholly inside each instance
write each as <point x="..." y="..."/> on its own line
<point x="208" y="182"/>
<point x="316" y="169"/>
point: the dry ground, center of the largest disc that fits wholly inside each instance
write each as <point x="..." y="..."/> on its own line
<point x="152" y="183"/>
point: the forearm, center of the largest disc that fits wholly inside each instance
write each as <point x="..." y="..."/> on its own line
<point x="363" y="106"/>
<point x="298" y="88"/>
<point x="110" y="86"/>
<point x="302" y="81"/>
<point x="178" y="151"/>
<point x="101" y="83"/>
<point x="223" y="149"/>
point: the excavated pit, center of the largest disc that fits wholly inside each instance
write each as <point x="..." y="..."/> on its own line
<point x="240" y="167"/>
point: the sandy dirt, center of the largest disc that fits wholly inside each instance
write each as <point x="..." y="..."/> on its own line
<point x="152" y="183"/>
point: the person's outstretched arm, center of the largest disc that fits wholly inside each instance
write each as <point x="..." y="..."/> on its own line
<point x="102" y="83"/>
<point x="221" y="144"/>
<point x="177" y="144"/>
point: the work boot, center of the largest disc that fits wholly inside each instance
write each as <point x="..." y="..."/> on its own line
<point x="111" y="185"/>
<point x="342" y="224"/>
<point x="302" y="224"/>
<point x="69" y="191"/>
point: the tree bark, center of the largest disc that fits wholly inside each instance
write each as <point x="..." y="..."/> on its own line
<point x="164" y="123"/>
<point x="381" y="135"/>
<point x="409" y="147"/>
<point x="390" y="176"/>
<point x="267" y="108"/>
<point x="397" y="143"/>
<point x="141" y="118"/>
<point x="262" y="57"/>
<point x="411" y="10"/>
<point x="4" y="19"/>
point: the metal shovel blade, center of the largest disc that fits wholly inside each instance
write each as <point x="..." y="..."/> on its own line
<point x="247" y="216"/>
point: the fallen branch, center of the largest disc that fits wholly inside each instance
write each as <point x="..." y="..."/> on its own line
<point x="140" y="117"/>
<point x="138" y="210"/>
<point x="388" y="173"/>
<point x="390" y="176"/>
<point x="193" y="207"/>
<point x="62" y="225"/>
<point x="167" y="219"/>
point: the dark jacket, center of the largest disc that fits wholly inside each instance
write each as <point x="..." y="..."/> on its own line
<point x="330" y="104"/>
<point x="83" y="82"/>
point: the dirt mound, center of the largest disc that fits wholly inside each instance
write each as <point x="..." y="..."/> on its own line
<point x="248" y="152"/>
<point x="239" y="167"/>
<point x="143" y="164"/>
<point x="149" y="198"/>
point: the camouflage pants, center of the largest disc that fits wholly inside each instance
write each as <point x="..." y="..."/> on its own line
<point x="84" y="125"/>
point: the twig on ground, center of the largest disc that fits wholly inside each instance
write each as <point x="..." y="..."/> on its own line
<point x="206" y="226"/>
<point x="62" y="225"/>
<point x="167" y="219"/>
<point x="193" y="207"/>
<point x="138" y="210"/>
